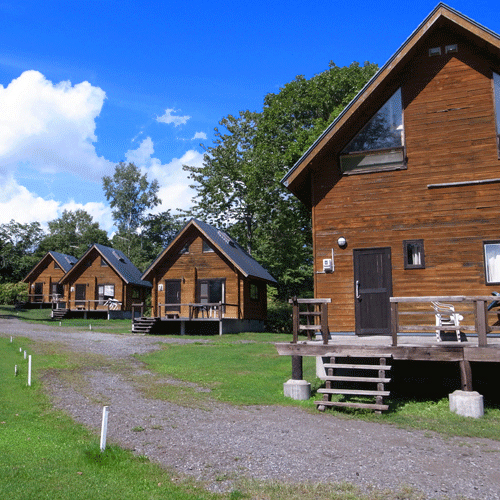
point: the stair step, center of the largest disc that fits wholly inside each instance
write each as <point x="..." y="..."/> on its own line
<point x="357" y="366"/>
<point x="357" y="392"/>
<point x="369" y="406"/>
<point x="341" y="378"/>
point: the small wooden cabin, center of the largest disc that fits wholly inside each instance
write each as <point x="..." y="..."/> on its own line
<point x="404" y="185"/>
<point x="204" y="275"/>
<point x="43" y="279"/>
<point x="104" y="281"/>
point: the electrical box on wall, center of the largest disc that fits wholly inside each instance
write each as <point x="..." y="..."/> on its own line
<point x="328" y="265"/>
<point x="160" y="288"/>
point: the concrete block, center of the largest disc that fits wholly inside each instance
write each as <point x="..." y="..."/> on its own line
<point x="467" y="404"/>
<point x="297" y="389"/>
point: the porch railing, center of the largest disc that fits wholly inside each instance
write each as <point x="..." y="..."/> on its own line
<point x="215" y="310"/>
<point x="473" y="308"/>
<point x="310" y="315"/>
<point x="94" y="305"/>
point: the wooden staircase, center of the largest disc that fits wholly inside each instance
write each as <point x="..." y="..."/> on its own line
<point x="353" y="376"/>
<point x="144" y="325"/>
<point x="58" y="314"/>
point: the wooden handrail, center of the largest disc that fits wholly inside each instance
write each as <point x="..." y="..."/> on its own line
<point x="310" y="312"/>
<point x="480" y="312"/>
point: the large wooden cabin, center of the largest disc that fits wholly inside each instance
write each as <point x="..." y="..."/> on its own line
<point x="204" y="277"/>
<point x="43" y="279"/>
<point x="404" y="188"/>
<point x="103" y="282"/>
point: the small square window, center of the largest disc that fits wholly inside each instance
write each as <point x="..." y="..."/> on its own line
<point x="185" y="248"/>
<point x="56" y="265"/>
<point x="492" y="262"/>
<point x="103" y="263"/>
<point x="435" y="51"/>
<point x="414" y="254"/>
<point x="451" y="48"/>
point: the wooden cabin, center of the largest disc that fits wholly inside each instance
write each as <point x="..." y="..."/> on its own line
<point x="43" y="279"/>
<point x="404" y="185"/>
<point x="103" y="283"/>
<point x="204" y="275"/>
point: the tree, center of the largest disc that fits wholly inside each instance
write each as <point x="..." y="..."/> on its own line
<point x="72" y="234"/>
<point x="238" y="186"/>
<point x="130" y="195"/>
<point x="18" y="244"/>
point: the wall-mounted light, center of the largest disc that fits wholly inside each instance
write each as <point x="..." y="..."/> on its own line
<point x="342" y="242"/>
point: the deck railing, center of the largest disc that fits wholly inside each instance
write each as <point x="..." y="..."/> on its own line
<point x="198" y="310"/>
<point x="473" y="308"/>
<point x="94" y="305"/>
<point x="310" y="315"/>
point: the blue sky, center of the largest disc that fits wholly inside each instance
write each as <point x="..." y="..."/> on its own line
<point x="87" y="84"/>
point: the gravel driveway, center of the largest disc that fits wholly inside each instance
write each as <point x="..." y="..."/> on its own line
<point x="261" y="442"/>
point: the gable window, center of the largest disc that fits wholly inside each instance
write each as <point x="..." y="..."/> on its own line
<point x="414" y="254"/>
<point x="492" y="262"/>
<point x="103" y="262"/>
<point x="380" y="143"/>
<point x="105" y="292"/>
<point x="185" y="248"/>
<point x="254" y="291"/>
<point x="496" y="87"/>
<point x="207" y="247"/>
<point x="56" y="265"/>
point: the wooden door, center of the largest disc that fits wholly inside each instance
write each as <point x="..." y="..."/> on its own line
<point x="173" y="294"/>
<point x="80" y="295"/>
<point x="372" y="290"/>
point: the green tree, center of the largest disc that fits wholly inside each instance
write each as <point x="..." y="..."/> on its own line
<point x="130" y="194"/>
<point x="18" y="244"/>
<point x="72" y="234"/>
<point x="238" y="186"/>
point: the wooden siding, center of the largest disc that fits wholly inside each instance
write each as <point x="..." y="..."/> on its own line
<point x="47" y="274"/>
<point x="450" y="136"/>
<point x="196" y="265"/>
<point x="91" y="274"/>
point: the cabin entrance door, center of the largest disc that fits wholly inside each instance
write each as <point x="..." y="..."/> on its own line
<point x="80" y="291"/>
<point x="173" y="294"/>
<point x="372" y="290"/>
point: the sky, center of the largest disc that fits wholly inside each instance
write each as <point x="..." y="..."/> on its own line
<point x="86" y="84"/>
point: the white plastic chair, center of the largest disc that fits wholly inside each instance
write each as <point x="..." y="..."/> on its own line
<point x="446" y="316"/>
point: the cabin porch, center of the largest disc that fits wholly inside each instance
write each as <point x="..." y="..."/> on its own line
<point x="413" y="342"/>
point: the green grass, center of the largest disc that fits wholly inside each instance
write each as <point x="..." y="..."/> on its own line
<point x="42" y="316"/>
<point x="45" y="455"/>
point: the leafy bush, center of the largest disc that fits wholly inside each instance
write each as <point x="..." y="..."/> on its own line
<point x="279" y="316"/>
<point x="10" y="293"/>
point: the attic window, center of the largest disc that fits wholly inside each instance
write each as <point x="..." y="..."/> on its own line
<point x="435" y="51"/>
<point x="207" y="247"/>
<point x="103" y="263"/>
<point x="380" y="143"/>
<point x="185" y="248"/>
<point x="496" y="88"/>
<point x="56" y="265"/>
<point x="451" y="48"/>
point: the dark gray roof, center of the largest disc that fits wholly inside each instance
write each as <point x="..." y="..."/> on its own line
<point x="65" y="261"/>
<point x="121" y="264"/>
<point x="233" y="252"/>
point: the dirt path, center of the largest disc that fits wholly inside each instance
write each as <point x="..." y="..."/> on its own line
<point x="225" y="442"/>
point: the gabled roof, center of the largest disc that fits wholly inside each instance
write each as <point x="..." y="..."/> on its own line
<point x="441" y="15"/>
<point x="220" y="241"/>
<point x="65" y="262"/>
<point x="118" y="261"/>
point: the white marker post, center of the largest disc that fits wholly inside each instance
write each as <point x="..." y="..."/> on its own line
<point x="104" y="427"/>
<point x="15" y="370"/>
<point x="24" y="354"/>
<point x="29" y="370"/>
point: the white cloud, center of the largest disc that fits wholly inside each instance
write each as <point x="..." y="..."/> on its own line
<point x="200" y="135"/>
<point x="174" y="192"/>
<point x="50" y="127"/>
<point x="17" y="203"/>
<point x="169" y="118"/>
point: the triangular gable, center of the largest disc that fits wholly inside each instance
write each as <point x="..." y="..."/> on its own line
<point x="218" y="240"/>
<point x="117" y="260"/>
<point x="296" y="178"/>
<point x="64" y="261"/>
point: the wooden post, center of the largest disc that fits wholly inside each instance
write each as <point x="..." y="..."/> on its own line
<point x="481" y="323"/>
<point x="297" y="372"/>
<point x="295" y="320"/>
<point x="465" y="375"/>
<point x="394" y="323"/>
<point x="324" y="323"/>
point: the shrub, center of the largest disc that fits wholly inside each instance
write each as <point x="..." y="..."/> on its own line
<point x="10" y="293"/>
